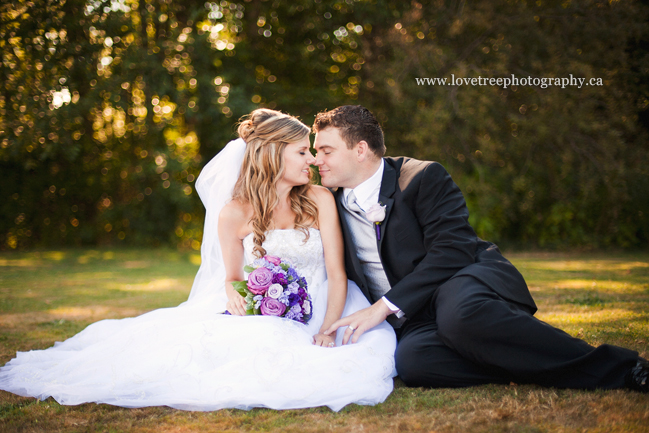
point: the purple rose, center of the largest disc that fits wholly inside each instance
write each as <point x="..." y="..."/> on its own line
<point x="274" y="291"/>
<point x="259" y="280"/>
<point x="274" y="260"/>
<point x="272" y="307"/>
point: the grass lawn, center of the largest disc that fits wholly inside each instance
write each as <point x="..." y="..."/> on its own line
<point x="49" y="296"/>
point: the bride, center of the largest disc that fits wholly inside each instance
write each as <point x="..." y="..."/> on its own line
<point x="259" y="201"/>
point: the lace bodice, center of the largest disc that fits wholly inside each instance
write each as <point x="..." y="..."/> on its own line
<point x="307" y="257"/>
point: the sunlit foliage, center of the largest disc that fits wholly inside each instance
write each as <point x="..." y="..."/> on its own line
<point x="109" y="108"/>
<point x="100" y="101"/>
<point x="539" y="166"/>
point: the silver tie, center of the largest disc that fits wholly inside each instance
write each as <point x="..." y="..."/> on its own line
<point x="352" y="204"/>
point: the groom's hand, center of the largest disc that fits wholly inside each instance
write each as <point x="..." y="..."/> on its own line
<point x="361" y="321"/>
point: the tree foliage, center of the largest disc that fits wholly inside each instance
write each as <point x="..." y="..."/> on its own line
<point x="109" y="109"/>
<point x="542" y="166"/>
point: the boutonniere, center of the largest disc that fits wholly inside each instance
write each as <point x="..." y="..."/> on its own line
<point x="376" y="215"/>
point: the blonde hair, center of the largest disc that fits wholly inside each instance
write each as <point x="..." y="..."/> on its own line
<point x="266" y="133"/>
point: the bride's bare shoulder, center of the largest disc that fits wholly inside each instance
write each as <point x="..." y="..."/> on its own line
<point x="322" y="196"/>
<point x="235" y="215"/>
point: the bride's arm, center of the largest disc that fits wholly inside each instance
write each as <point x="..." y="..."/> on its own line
<point x="332" y="243"/>
<point x="230" y="220"/>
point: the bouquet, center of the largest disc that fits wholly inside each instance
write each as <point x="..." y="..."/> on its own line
<point x="275" y="288"/>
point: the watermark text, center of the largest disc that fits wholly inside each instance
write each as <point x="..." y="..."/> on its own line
<point x="513" y="80"/>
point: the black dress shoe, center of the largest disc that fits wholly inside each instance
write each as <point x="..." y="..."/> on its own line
<point x="637" y="378"/>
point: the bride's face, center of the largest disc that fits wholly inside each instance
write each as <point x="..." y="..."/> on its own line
<point x="297" y="162"/>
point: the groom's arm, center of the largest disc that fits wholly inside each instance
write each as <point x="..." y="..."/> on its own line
<point x="449" y="239"/>
<point x="450" y="244"/>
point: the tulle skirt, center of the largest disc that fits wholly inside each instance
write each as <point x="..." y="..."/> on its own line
<point x="191" y="358"/>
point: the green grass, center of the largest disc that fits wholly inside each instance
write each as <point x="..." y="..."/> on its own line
<point x="49" y="296"/>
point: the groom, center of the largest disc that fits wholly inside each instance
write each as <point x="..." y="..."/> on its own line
<point x="462" y="313"/>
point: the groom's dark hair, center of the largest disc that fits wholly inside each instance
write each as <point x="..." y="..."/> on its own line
<point x="355" y="123"/>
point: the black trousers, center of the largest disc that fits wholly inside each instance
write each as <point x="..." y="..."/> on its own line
<point x="469" y="335"/>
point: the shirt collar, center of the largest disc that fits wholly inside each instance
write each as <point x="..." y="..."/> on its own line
<point x="367" y="193"/>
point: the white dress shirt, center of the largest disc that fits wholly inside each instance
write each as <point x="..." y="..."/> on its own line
<point x="367" y="195"/>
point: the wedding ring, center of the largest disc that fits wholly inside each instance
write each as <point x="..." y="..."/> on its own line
<point x="331" y="344"/>
<point x="352" y="328"/>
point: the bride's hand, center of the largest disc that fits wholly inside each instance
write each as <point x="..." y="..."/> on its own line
<point x="324" y="340"/>
<point x="236" y="304"/>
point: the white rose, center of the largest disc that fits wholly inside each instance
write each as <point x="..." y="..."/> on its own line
<point x="376" y="213"/>
<point x="274" y="291"/>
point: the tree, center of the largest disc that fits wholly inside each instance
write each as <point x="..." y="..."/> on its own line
<point x="549" y="166"/>
<point x="110" y="108"/>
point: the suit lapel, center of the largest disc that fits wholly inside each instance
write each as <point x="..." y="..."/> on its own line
<point x="388" y="187"/>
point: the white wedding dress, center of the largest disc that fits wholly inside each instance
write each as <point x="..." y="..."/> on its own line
<point x="191" y="357"/>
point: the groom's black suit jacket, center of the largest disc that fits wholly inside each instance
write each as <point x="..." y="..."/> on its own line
<point x="426" y="239"/>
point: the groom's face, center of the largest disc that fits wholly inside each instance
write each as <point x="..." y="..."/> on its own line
<point x="336" y="162"/>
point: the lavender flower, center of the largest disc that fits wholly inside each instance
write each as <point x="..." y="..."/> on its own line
<point x="292" y="274"/>
<point x="283" y="298"/>
<point x="293" y="288"/>
<point x="295" y="313"/>
<point x="259" y="263"/>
